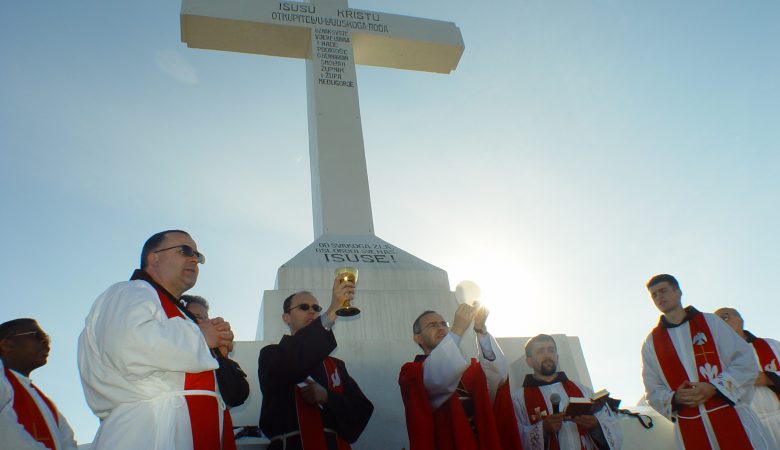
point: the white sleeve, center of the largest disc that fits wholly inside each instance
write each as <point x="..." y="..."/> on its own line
<point x="610" y="426"/>
<point x="657" y="393"/>
<point x="326" y="322"/>
<point x="133" y="335"/>
<point x="608" y="421"/>
<point x="531" y="435"/>
<point x="740" y="368"/>
<point x="66" y="433"/>
<point x="442" y="370"/>
<point x="14" y="436"/>
<point x="496" y="369"/>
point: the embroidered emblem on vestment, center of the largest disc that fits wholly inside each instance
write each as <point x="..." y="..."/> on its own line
<point x="700" y="338"/>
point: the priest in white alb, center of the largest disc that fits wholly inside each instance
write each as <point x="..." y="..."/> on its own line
<point x="699" y="374"/>
<point x="28" y="419"/>
<point x="146" y="366"/>
<point x="766" y="399"/>
<point x="541" y="420"/>
<point x="451" y="402"/>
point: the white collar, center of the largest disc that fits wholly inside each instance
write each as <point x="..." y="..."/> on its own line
<point x="27" y="381"/>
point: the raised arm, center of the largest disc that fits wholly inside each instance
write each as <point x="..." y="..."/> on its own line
<point x="442" y="370"/>
<point x="491" y="357"/>
<point x="291" y="361"/>
<point x="445" y="364"/>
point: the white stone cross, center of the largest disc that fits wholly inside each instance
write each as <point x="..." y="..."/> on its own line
<point x="332" y="38"/>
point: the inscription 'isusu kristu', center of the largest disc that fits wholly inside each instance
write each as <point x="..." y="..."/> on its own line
<point x="342" y="13"/>
<point x="304" y="13"/>
<point x="297" y="7"/>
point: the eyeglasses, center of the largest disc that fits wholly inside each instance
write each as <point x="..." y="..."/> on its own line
<point x="187" y="251"/>
<point x="727" y="315"/>
<point x="38" y="334"/>
<point x="306" y="306"/>
<point x="443" y="324"/>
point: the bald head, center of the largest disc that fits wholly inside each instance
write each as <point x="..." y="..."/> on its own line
<point x="733" y="318"/>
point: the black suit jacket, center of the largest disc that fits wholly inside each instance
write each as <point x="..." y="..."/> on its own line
<point x="281" y="366"/>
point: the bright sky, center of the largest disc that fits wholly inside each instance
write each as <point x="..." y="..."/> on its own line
<point x="579" y="148"/>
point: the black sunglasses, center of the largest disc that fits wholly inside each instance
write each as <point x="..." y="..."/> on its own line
<point x="306" y="306"/>
<point x="187" y="251"/>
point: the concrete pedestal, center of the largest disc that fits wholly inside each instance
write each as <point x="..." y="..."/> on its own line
<point x="394" y="287"/>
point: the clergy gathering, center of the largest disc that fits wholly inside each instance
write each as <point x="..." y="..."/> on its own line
<point x="603" y="169"/>
<point x="157" y="372"/>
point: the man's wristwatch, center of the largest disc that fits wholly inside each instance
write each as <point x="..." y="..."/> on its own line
<point x="480" y="330"/>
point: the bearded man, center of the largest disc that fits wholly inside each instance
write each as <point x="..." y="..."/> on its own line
<point x="542" y="423"/>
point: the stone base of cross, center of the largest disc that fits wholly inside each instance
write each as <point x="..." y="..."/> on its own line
<point x="393" y="288"/>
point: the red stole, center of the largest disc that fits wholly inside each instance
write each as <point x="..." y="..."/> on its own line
<point x="725" y="422"/>
<point x="30" y="417"/>
<point x="309" y="417"/>
<point x="536" y="408"/>
<point x="506" y="423"/>
<point x="447" y="428"/>
<point x="228" y="438"/>
<point x="766" y="357"/>
<point x="204" y="410"/>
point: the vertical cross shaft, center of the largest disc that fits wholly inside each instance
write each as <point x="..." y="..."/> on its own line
<point x="341" y="202"/>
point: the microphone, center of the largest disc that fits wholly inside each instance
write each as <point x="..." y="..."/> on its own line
<point x="555" y="399"/>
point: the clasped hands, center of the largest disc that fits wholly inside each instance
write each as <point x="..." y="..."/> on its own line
<point x="218" y="334"/>
<point x="693" y="394"/>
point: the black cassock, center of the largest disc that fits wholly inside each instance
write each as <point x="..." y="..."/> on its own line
<point x="281" y="366"/>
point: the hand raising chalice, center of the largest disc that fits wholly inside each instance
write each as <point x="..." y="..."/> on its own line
<point x="347" y="276"/>
<point x="469" y="295"/>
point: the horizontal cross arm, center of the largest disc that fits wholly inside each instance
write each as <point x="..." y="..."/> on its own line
<point x="378" y="39"/>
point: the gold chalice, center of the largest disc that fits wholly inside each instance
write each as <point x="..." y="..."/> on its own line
<point x="347" y="274"/>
